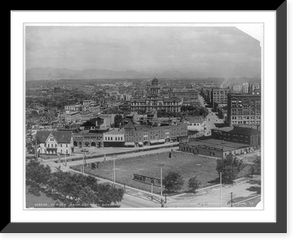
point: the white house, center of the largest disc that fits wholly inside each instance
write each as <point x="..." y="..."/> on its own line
<point x="55" y="142"/>
<point x="196" y="125"/>
<point x="114" y="138"/>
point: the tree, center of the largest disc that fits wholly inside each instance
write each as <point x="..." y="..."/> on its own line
<point x="70" y="189"/>
<point x="257" y="164"/>
<point x="173" y="181"/>
<point x="220" y="114"/>
<point x="230" y="167"/>
<point x="37" y="176"/>
<point x="193" y="184"/>
<point x="252" y="170"/>
<point x="118" y="120"/>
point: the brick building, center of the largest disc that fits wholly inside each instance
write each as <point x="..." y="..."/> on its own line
<point x="92" y="124"/>
<point x="243" y="135"/>
<point x="88" y="138"/>
<point x="153" y="135"/>
<point x="155" y="101"/>
<point x="215" y="148"/>
<point x="219" y="95"/>
<point x="244" y="109"/>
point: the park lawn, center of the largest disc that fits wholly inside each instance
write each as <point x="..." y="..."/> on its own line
<point x="186" y="164"/>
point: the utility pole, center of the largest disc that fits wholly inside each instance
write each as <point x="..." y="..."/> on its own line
<point x="221" y="177"/>
<point x="36" y="154"/>
<point x="65" y="160"/>
<point x="83" y="161"/>
<point x="114" y="170"/>
<point x="161" y="183"/>
<point x="230" y="199"/>
<point x="221" y="189"/>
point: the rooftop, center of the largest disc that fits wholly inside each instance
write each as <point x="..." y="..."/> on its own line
<point x="72" y="113"/>
<point x="60" y="136"/>
<point x="225" y="129"/>
<point x="115" y="131"/>
<point x="239" y="130"/>
<point x="245" y="131"/>
<point x="242" y="95"/>
<point x="216" y="143"/>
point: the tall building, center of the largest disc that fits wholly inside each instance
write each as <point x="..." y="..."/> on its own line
<point x="244" y="109"/>
<point x="237" y="88"/>
<point x="245" y="88"/>
<point x="206" y="92"/>
<point x="254" y="89"/>
<point x="219" y="95"/>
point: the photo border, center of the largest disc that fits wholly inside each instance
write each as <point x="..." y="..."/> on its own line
<point x="280" y="226"/>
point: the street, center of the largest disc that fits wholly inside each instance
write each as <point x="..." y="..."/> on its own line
<point x="212" y="197"/>
<point x="135" y="202"/>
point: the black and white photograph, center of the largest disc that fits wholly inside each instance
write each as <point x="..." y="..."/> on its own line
<point x="144" y="116"/>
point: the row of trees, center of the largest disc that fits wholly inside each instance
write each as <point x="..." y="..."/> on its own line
<point x="229" y="167"/>
<point x="173" y="182"/>
<point x="190" y="110"/>
<point x="70" y="189"/>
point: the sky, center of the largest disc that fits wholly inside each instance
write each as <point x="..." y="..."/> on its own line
<point x="201" y="51"/>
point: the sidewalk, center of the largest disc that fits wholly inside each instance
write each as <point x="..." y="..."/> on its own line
<point x="109" y="151"/>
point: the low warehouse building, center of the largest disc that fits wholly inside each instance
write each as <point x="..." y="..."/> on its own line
<point x="215" y="147"/>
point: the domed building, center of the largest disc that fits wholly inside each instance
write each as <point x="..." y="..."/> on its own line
<point x="154" y="88"/>
<point x="155" y="101"/>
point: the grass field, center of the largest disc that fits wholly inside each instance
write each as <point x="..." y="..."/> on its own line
<point x="188" y="165"/>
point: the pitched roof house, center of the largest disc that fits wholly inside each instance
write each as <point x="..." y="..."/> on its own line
<point x="54" y="142"/>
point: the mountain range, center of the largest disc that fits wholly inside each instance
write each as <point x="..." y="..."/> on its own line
<point x="49" y="73"/>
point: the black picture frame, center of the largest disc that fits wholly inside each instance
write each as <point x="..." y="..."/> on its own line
<point x="280" y="226"/>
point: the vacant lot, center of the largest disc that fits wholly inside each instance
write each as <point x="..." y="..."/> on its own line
<point x="187" y="165"/>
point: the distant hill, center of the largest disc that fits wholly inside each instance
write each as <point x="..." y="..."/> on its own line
<point x="48" y="73"/>
<point x="64" y="73"/>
